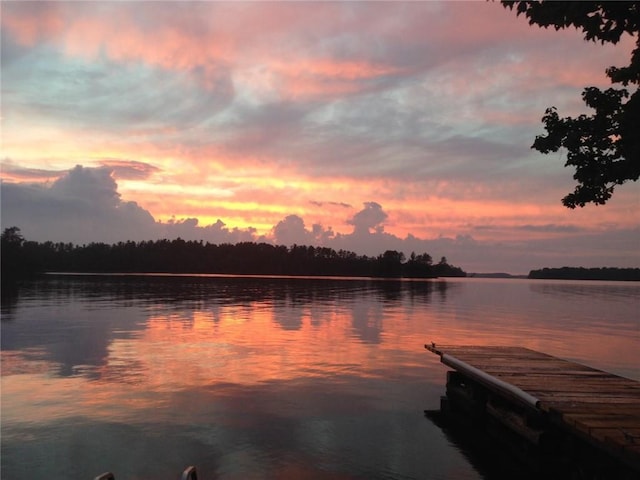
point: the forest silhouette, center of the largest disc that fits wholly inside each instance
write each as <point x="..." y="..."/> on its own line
<point x="581" y="273"/>
<point x="23" y="258"/>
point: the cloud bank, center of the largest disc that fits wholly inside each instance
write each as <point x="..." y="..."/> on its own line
<point x="83" y="205"/>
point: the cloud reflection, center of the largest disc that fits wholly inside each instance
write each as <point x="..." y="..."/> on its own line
<point x="275" y="375"/>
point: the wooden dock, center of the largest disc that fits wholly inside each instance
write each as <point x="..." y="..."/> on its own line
<point x="560" y="409"/>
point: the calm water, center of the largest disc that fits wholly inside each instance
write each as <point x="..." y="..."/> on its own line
<point x="270" y="377"/>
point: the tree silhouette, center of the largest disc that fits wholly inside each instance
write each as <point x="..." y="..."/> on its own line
<point x="604" y="147"/>
<point x="21" y="258"/>
<point x="581" y="273"/>
<point x="11" y="237"/>
<point x="389" y="264"/>
<point x="13" y="259"/>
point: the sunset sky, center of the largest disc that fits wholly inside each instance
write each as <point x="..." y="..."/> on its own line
<point x="364" y="126"/>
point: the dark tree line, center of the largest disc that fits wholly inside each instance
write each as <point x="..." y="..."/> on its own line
<point x="22" y="258"/>
<point x="581" y="273"/>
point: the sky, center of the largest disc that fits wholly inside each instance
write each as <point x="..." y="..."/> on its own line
<point x="365" y="126"/>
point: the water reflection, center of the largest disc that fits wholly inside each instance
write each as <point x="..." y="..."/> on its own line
<point x="587" y="288"/>
<point x="76" y="321"/>
<point x="265" y="377"/>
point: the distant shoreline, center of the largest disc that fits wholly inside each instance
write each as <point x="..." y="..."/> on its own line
<point x="581" y="273"/>
<point x="570" y="273"/>
<point x="239" y="275"/>
<point x="495" y="275"/>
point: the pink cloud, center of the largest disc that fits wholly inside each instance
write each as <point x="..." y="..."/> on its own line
<point x="210" y="38"/>
<point x="310" y="78"/>
<point x="32" y="22"/>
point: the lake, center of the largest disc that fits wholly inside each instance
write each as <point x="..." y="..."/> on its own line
<point x="267" y="377"/>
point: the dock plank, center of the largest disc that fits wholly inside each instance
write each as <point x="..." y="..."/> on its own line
<point x="590" y="420"/>
<point x="599" y="406"/>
